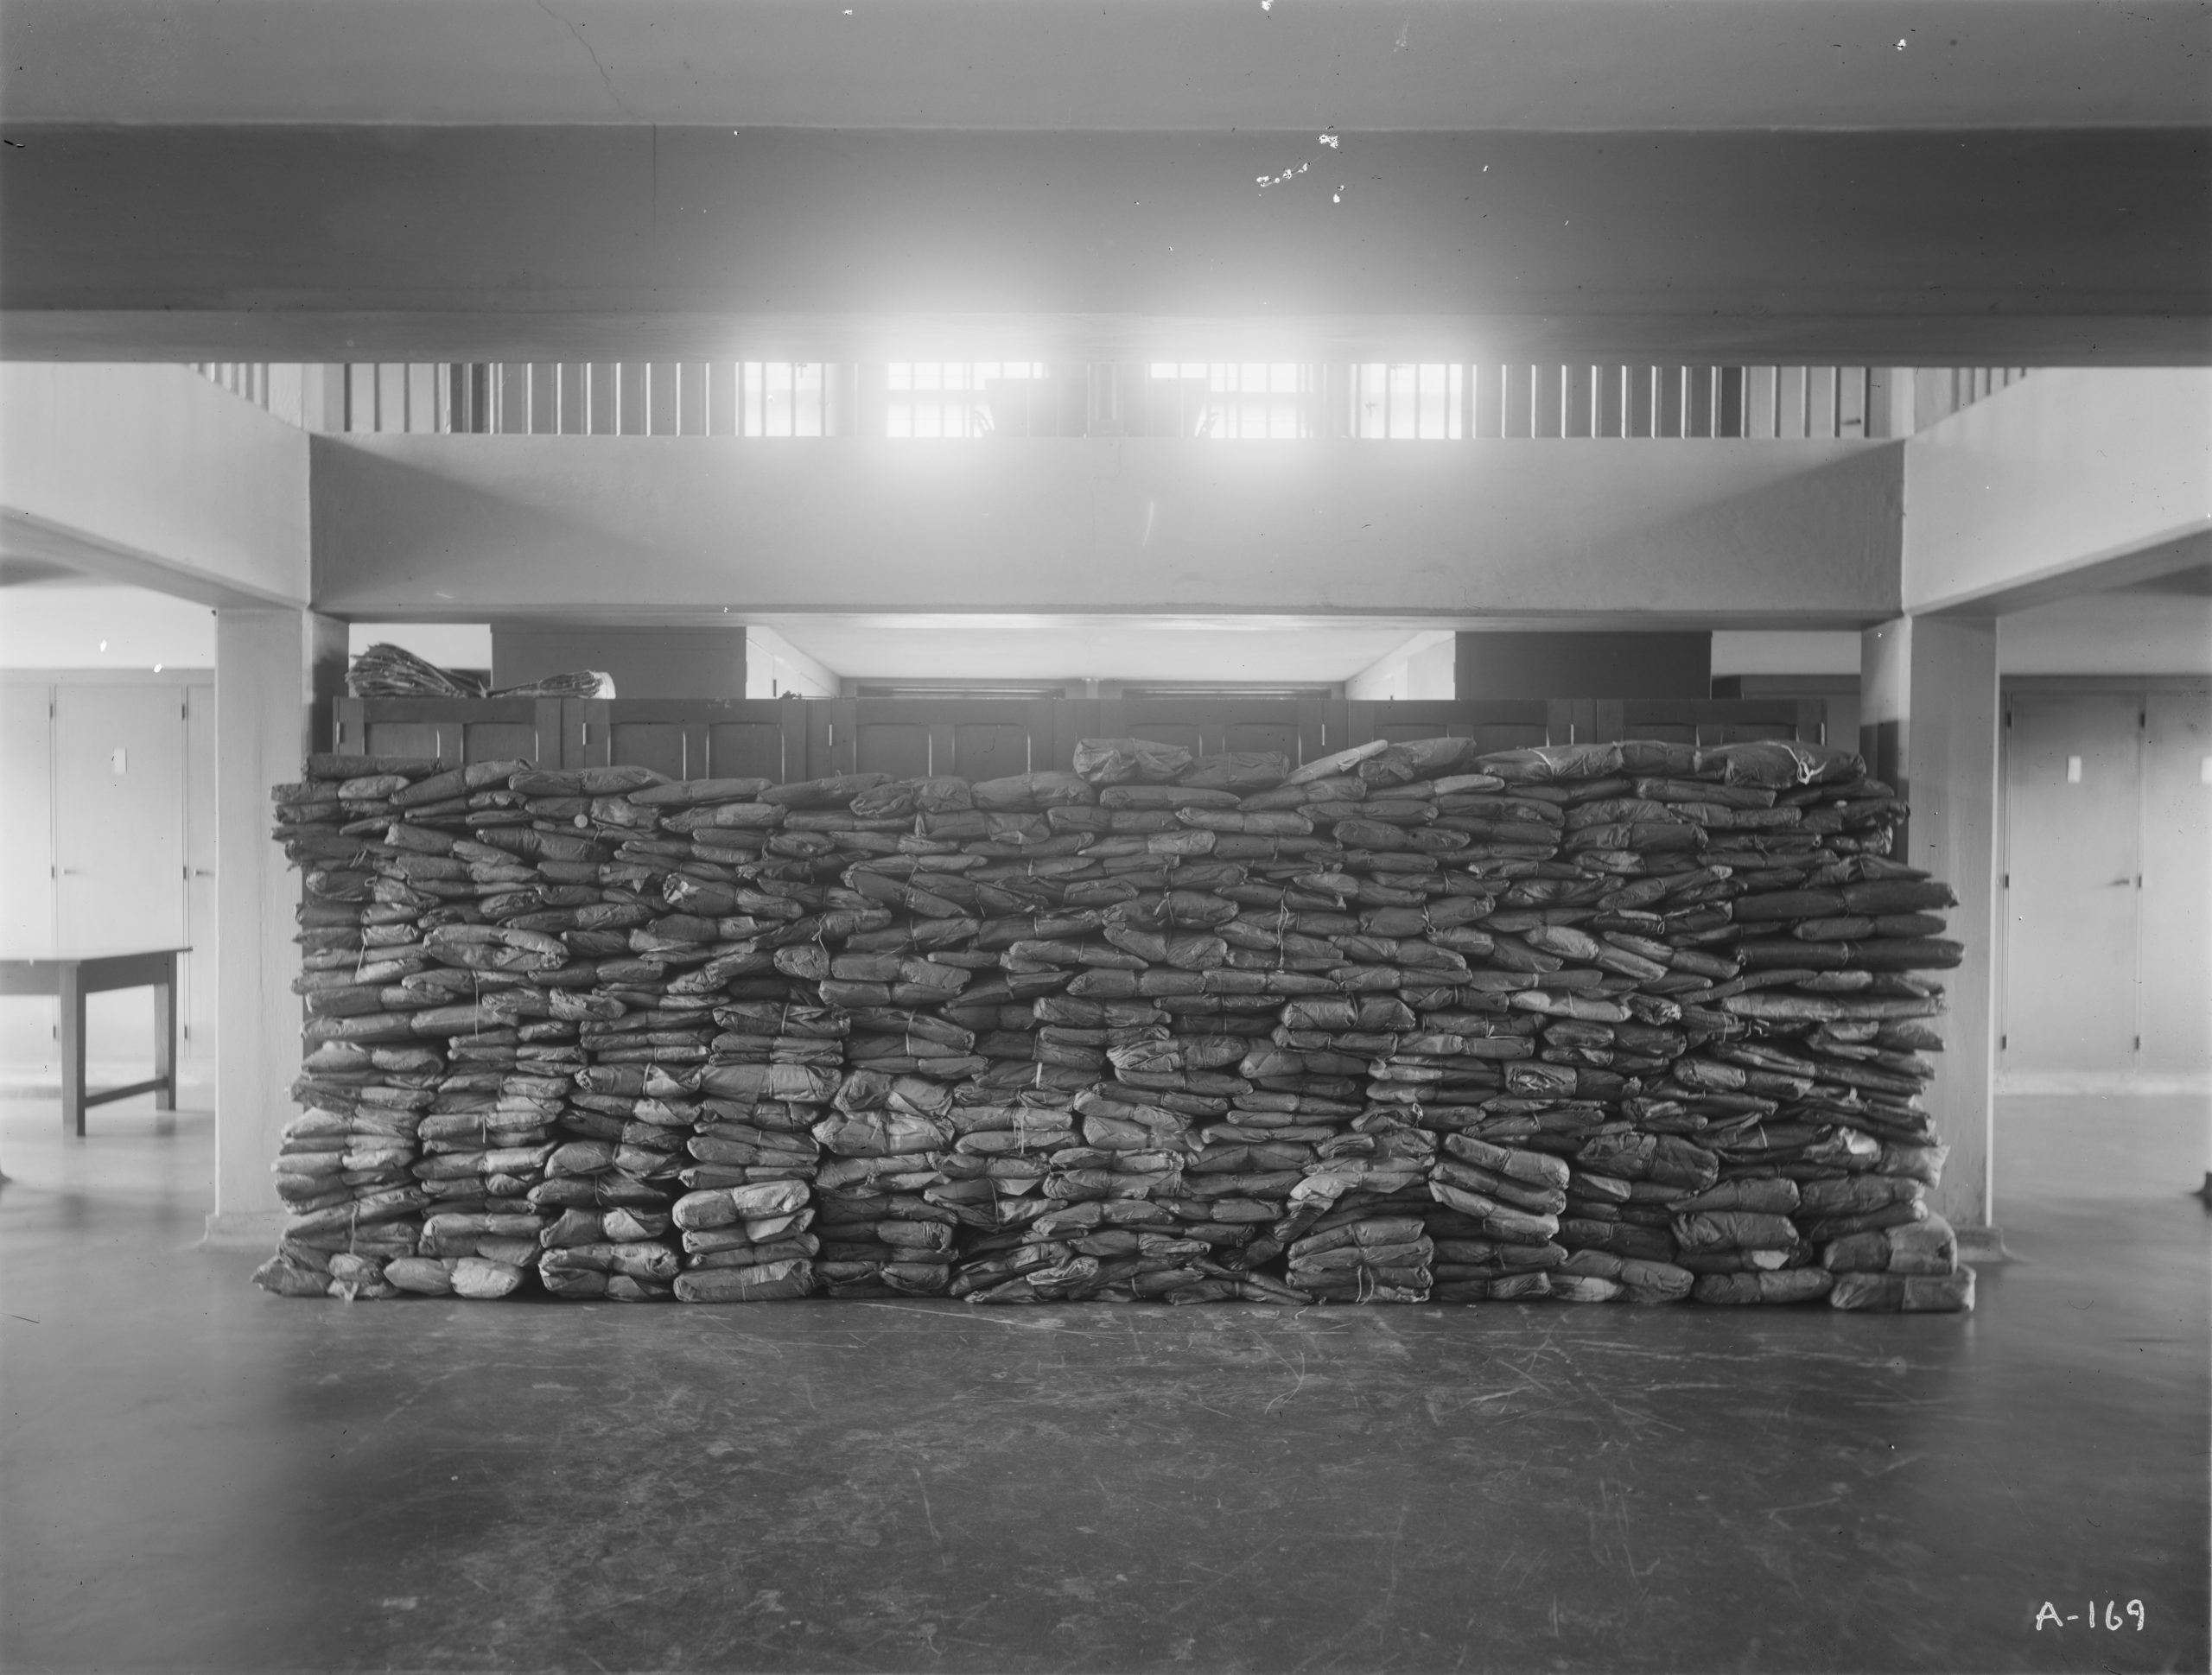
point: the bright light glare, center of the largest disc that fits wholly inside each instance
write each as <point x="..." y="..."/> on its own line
<point x="947" y="398"/>
<point x="1409" y="400"/>
<point x="780" y="399"/>
<point x="1245" y="401"/>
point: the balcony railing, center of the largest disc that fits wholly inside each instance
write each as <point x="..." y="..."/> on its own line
<point x="947" y="401"/>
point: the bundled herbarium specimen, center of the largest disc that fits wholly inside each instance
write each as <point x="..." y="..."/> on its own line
<point x="1634" y="1022"/>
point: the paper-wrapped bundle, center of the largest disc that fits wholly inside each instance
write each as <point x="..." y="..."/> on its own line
<point x="1630" y="1022"/>
<point x="1905" y="1293"/>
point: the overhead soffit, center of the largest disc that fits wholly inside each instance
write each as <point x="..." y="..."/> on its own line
<point x="16" y="571"/>
<point x="587" y="242"/>
<point x="1138" y="64"/>
<point x="556" y="180"/>
<point x="2195" y="582"/>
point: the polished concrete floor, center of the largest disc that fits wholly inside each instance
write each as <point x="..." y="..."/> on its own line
<point x="200" y="1476"/>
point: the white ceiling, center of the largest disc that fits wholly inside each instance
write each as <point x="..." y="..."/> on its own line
<point x="1284" y="651"/>
<point x="1116" y="64"/>
<point x="84" y="624"/>
<point x="2114" y="633"/>
<point x="2123" y="632"/>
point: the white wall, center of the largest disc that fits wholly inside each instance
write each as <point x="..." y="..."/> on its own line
<point x="93" y="635"/>
<point x="447" y="644"/>
<point x="1776" y="651"/>
<point x="773" y="666"/>
<point x="1284" y="651"/>
<point x="35" y="774"/>
<point x="1424" y="666"/>
<point x="67" y="626"/>
<point x="2115" y="634"/>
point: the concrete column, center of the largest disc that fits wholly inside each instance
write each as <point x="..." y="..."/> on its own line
<point x="273" y="668"/>
<point x="1929" y="725"/>
<point x="1889" y="402"/>
<point x="322" y="397"/>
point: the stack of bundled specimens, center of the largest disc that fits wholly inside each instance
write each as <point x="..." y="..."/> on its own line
<point x="1631" y="1022"/>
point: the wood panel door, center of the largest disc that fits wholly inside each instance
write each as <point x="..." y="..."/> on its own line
<point x="1494" y="724"/>
<point x="773" y="748"/>
<point x="689" y="738"/>
<point x="2072" y="860"/>
<point x="196" y="981"/>
<point x="1708" y="721"/>
<point x="118" y="816"/>
<point x="975" y="737"/>
<point x="1295" y="728"/>
<point x="2177" y="913"/>
<point x="27" y="876"/>
<point x="26" y="1030"/>
<point x="454" y="730"/>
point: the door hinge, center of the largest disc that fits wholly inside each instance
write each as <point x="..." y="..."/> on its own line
<point x="2007" y="882"/>
<point x="2002" y="1042"/>
<point x="2138" y="1044"/>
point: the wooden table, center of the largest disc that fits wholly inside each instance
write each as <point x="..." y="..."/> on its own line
<point x="70" y="978"/>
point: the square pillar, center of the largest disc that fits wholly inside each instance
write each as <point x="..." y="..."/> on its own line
<point x="1929" y="725"/>
<point x="275" y="671"/>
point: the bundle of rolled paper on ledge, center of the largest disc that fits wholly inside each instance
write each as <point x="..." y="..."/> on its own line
<point x="1634" y="1022"/>
<point x="384" y="670"/>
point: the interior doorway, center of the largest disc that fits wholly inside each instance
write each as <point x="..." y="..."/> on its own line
<point x="2107" y="880"/>
<point x="108" y="840"/>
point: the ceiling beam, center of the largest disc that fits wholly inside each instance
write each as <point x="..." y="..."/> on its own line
<point x="1439" y="65"/>
<point x="565" y="243"/>
<point x="154" y="477"/>
<point x="1801" y="534"/>
<point x="2068" y="482"/>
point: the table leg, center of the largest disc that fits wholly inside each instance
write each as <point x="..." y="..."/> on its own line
<point x="69" y="997"/>
<point x="165" y="1039"/>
